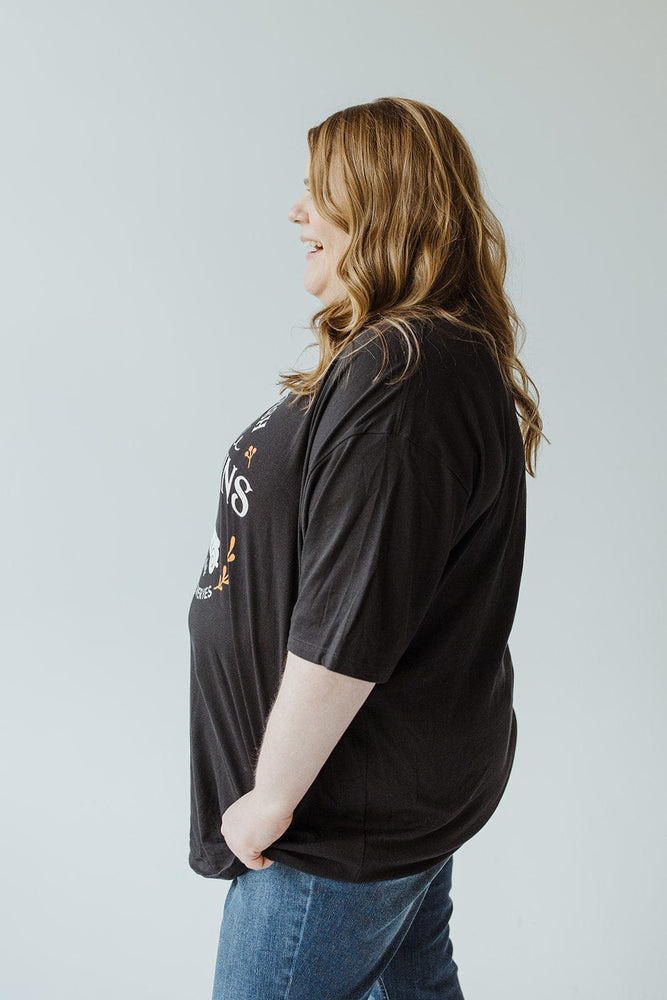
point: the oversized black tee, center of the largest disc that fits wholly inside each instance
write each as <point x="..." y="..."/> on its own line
<point x="379" y="533"/>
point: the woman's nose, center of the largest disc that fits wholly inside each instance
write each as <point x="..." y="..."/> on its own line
<point x="294" y="212"/>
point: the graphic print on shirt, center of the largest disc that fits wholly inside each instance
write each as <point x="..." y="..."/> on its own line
<point x="235" y="487"/>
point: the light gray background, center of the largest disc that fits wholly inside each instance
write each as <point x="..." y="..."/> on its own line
<point x="152" y="293"/>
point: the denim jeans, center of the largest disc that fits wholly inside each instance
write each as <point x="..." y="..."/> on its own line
<point x="288" y="935"/>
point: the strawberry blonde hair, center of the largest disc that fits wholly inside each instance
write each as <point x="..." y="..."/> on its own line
<point x="400" y="179"/>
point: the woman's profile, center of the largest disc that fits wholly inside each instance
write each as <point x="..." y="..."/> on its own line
<point x="351" y="713"/>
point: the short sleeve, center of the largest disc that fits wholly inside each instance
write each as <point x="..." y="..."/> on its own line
<point x="378" y="518"/>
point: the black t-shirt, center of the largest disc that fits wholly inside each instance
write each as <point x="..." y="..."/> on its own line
<point x="380" y="533"/>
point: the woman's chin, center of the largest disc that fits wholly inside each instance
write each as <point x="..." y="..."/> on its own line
<point x="315" y="289"/>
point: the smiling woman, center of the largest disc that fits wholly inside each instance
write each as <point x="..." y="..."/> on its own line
<point x="321" y="278"/>
<point x="352" y="720"/>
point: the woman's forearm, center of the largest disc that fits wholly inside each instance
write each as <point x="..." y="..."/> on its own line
<point x="313" y="708"/>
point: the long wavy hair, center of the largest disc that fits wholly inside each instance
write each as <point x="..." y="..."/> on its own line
<point x="400" y="179"/>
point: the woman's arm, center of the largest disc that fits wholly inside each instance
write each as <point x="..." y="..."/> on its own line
<point x="313" y="708"/>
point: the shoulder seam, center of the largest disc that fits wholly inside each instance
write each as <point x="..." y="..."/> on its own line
<point x="391" y="434"/>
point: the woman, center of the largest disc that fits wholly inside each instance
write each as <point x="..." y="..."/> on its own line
<point x="351" y="687"/>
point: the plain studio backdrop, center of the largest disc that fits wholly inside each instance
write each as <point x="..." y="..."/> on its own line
<point x="152" y="294"/>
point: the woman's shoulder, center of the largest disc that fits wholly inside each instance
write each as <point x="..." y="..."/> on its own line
<point x="433" y="351"/>
<point x="451" y="405"/>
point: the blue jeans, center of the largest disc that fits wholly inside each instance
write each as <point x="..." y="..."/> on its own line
<point x="288" y="935"/>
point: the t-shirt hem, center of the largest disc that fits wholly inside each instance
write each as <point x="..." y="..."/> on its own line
<point x="335" y="662"/>
<point x="203" y="866"/>
<point x="321" y="867"/>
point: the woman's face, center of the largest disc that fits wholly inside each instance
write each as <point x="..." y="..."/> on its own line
<point x="320" y="278"/>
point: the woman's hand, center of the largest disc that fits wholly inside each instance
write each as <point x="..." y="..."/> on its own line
<point x="251" y="824"/>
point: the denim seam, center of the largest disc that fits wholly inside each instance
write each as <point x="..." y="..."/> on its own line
<point x="301" y="933"/>
<point x="365" y="831"/>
